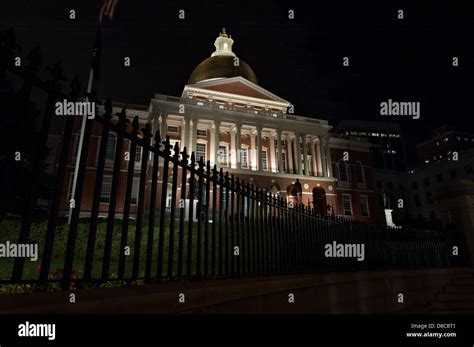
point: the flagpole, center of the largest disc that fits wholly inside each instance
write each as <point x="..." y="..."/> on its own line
<point x="83" y="127"/>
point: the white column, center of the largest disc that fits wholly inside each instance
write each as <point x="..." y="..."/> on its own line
<point x="194" y="134"/>
<point x="212" y="144"/>
<point x="328" y="158"/>
<point x="305" y="154"/>
<point x="233" y="150"/>
<point x="238" y="146"/>
<point x="318" y="155"/>
<point x="190" y="137"/>
<point x="314" y="161"/>
<point x="272" y="153"/>
<point x="163" y="127"/>
<point x="253" y="156"/>
<point x="280" y="162"/>
<point x="298" y="153"/>
<point x="323" y="157"/>
<point x="289" y="150"/>
<point x="259" y="149"/>
<point x="217" y="139"/>
<point x="183" y="135"/>
<point x="186" y="134"/>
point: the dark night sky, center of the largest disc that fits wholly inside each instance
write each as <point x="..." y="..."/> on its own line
<point x="299" y="60"/>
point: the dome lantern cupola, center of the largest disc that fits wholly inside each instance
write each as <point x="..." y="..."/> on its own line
<point x="223" y="45"/>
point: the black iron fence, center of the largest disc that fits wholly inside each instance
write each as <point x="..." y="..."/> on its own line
<point x="191" y="220"/>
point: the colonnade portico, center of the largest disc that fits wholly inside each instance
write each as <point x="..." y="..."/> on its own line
<point x="252" y="147"/>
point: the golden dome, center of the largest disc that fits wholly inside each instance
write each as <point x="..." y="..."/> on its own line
<point x="220" y="66"/>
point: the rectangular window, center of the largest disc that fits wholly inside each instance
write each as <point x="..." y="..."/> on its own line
<point x="283" y="159"/>
<point x="223" y="155"/>
<point x="201" y="132"/>
<point x="135" y="190"/>
<point x="343" y="171"/>
<point x="364" y="206"/>
<point x="244" y="158"/>
<point x="264" y="160"/>
<point x="110" y="150"/>
<point x="360" y="173"/>
<point x="426" y="181"/>
<point x="347" y="204"/>
<point x="173" y="129"/>
<point x="201" y="151"/>
<point x="224" y="199"/>
<point x="138" y="157"/>
<point x="106" y="189"/>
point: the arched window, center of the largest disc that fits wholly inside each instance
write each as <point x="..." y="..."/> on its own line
<point x="360" y="175"/>
<point x="343" y="171"/>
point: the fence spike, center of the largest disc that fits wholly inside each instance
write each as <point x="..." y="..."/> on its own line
<point x="201" y="165"/>
<point x="176" y="150"/>
<point x="147" y="131"/>
<point x="184" y="156"/>
<point x="135" y="125"/>
<point x="122" y="115"/>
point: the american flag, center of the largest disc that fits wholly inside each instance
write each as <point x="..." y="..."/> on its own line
<point x="108" y="10"/>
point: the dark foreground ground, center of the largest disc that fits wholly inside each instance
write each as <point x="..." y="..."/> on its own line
<point x="398" y="292"/>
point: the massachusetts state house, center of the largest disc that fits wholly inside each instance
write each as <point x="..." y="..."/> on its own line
<point x="226" y="117"/>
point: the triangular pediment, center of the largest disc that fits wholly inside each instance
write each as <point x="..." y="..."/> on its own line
<point x="237" y="86"/>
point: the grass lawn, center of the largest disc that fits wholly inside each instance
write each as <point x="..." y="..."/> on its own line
<point x="9" y="231"/>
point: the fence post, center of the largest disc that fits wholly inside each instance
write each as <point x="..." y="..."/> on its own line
<point x="189" y="257"/>
<point x="113" y="194"/>
<point x="99" y="174"/>
<point x="206" y="219"/>
<point x="253" y="229"/>
<point x="226" y="224"/>
<point x="174" y="187"/>
<point x="164" y="190"/>
<point x="214" y="219"/>
<point x="199" y="215"/>
<point x="246" y="229"/>
<point x="128" y="195"/>
<point x="232" y="226"/>
<point x="221" y="208"/>
<point x="184" y="165"/>
<point x="155" y="150"/>
<point x="141" y="200"/>
<point x="237" y="225"/>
